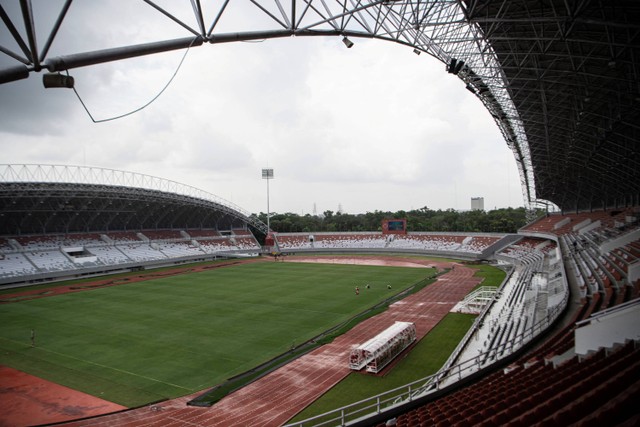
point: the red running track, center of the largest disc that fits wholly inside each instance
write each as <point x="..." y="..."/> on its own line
<point x="29" y="400"/>
<point x="277" y="397"/>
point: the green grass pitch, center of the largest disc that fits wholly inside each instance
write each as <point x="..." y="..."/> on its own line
<point x="141" y="342"/>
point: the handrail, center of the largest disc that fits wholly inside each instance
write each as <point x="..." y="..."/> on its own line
<point x="396" y="397"/>
<point x="607" y="311"/>
<point x="477" y="322"/>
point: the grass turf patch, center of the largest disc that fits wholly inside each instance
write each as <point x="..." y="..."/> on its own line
<point x="491" y="275"/>
<point x="115" y="277"/>
<point x="142" y="342"/>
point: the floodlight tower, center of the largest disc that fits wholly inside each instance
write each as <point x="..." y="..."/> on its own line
<point x="267" y="174"/>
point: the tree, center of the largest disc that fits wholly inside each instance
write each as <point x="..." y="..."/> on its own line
<point x="423" y="219"/>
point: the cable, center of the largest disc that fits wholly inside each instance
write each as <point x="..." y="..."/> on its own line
<point x="137" y="109"/>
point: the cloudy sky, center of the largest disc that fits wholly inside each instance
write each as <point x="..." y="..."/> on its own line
<point x="374" y="127"/>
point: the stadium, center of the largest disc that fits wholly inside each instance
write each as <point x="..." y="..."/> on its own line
<point x="98" y="265"/>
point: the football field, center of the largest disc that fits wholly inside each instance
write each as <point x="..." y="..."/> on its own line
<point x="141" y="342"/>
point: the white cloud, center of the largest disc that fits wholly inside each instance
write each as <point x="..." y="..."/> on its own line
<point x="374" y="127"/>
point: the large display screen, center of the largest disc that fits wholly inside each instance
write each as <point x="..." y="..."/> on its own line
<point x="394" y="226"/>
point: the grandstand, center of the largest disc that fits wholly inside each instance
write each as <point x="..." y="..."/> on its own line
<point x="465" y="245"/>
<point x="92" y="221"/>
<point x="560" y="80"/>
<point x="503" y="373"/>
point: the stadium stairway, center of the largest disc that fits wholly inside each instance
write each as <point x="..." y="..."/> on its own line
<point x="501" y="244"/>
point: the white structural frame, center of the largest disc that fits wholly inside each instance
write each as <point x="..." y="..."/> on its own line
<point x="68" y="174"/>
<point x="267" y="173"/>
<point x="439" y="28"/>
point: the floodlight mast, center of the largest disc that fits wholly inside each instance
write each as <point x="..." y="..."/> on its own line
<point x="267" y="173"/>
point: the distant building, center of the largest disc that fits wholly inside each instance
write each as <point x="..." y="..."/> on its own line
<point x="477" y="203"/>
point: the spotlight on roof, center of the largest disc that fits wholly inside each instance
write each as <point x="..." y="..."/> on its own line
<point x="454" y="66"/>
<point x="417" y="51"/>
<point x="50" y="80"/>
<point x="348" y="43"/>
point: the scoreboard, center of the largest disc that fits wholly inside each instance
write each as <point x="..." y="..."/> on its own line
<point x="394" y="226"/>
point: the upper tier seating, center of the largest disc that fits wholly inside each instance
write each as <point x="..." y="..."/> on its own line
<point x="610" y="221"/>
<point x="477" y="244"/>
<point x="123" y="237"/>
<point x="246" y="243"/>
<point x="110" y="255"/>
<point x="359" y="240"/>
<point x="293" y="241"/>
<point x="195" y="234"/>
<point x="179" y="249"/>
<point x="216" y="245"/>
<point x="350" y="241"/>
<point x="162" y="234"/>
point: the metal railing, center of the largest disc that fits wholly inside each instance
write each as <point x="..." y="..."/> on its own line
<point x="391" y="399"/>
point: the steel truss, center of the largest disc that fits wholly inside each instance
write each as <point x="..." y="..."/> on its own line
<point x="559" y="77"/>
<point x="49" y="198"/>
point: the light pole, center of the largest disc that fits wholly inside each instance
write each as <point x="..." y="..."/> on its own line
<point x="267" y="174"/>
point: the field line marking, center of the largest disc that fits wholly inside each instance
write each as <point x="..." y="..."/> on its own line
<point x="101" y="365"/>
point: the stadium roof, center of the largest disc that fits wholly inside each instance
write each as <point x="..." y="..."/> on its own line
<point x="47" y="199"/>
<point x="573" y="75"/>
<point x="560" y="77"/>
